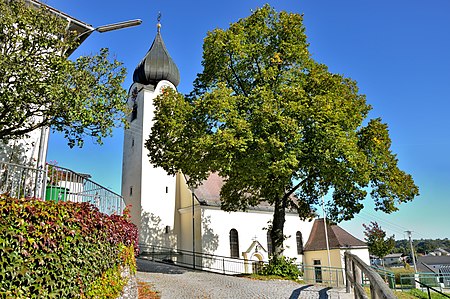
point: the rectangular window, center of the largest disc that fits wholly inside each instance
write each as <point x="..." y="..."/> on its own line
<point x="134" y="112"/>
<point x="131" y="190"/>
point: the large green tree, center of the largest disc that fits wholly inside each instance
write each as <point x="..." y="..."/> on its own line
<point x="277" y="126"/>
<point x="40" y="87"/>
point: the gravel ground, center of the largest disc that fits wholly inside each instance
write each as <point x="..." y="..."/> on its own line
<point x="130" y="291"/>
<point x="175" y="282"/>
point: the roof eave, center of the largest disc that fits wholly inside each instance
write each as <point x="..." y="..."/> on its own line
<point x="83" y="29"/>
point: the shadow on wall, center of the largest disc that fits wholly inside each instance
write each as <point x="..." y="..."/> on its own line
<point x="210" y="240"/>
<point x="19" y="179"/>
<point x="210" y="243"/>
<point x="15" y="152"/>
<point x="153" y="233"/>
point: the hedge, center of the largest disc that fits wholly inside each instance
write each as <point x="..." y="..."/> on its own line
<point x="60" y="250"/>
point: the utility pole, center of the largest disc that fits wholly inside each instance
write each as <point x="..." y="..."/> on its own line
<point x="412" y="250"/>
<point x="326" y="239"/>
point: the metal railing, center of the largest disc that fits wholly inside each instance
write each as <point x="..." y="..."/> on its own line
<point x="57" y="184"/>
<point x="356" y="270"/>
<point x="200" y="261"/>
<point x="438" y="281"/>
<point x="387" y="276"/>
<point x="331" y="276"/>
<point x="231" y="266"/>
<point x="21" y="181"/>
<point x="430" y="288"/>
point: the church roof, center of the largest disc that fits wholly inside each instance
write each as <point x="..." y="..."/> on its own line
<point x="208" y="193"/>
<point x="338" y="238"/>
<point x="157" y="65"/>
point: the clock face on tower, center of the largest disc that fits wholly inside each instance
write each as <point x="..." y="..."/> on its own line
<point x="163" y="85"/>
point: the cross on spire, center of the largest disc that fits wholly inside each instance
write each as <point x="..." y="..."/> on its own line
<point x="159" y="21"/>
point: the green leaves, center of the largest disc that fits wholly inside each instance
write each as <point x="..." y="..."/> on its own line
<point x="40" y="86"/>
<point x="59" y="249"/>
<point x="376" y="239"/>
<point x="281" y="266"/>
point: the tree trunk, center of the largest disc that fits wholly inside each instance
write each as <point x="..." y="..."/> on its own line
<point x="277" y="232"/>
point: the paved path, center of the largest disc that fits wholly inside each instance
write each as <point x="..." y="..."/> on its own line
<point x="176" y="283"/>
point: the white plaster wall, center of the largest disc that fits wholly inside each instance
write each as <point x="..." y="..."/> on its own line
<point x="132" y="158"/>
<point x="153" y="195"/>
<point x="362" y="253"/>
<point x="216" y="226"/>
<point x="30" y="151"/>
<point x="158" y="188"/>
<point x="25" y="151"/>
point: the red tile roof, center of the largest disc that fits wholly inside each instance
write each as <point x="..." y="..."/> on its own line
<point x="337" y="238"/>
<point x="208" y="193"/>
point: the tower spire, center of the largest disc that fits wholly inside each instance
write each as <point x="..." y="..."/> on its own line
<point x="158" y="25"/>
<point x="157" y="64"/>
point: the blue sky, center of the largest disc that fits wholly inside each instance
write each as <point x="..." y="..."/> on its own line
<point x="397" y="51"/>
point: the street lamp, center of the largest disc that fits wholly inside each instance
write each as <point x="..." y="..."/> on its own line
<point x="111" y="27"/>
<point x="119" y="25"/>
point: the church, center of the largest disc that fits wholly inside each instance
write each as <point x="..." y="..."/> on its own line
<point x="169" y="214"/>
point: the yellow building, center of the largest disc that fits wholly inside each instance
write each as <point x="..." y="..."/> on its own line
<point x="324" y="264"/>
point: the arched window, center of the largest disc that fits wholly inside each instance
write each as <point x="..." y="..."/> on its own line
<point x="299" y="243"/>
<point x="234" y="243"/>
<point x="269" y="243"/>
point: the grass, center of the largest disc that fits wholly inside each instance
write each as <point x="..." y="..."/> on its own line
<point x="145" y="291"/>
<point x="404" y="295"/>
<point x="412" y="294"/>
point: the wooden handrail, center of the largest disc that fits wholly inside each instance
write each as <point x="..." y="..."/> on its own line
<point x="354" y="267"/>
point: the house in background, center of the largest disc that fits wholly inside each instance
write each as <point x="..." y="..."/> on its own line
<point x="436" y="264"/>
<point x="427" y="263"/>
<point x="393" y="259"/>
<point x="375" y="260"/>
<point x="439" y="252"/>
<point x="318" y="255"/>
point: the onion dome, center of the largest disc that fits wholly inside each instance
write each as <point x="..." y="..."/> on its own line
<point x="157" y="65"/>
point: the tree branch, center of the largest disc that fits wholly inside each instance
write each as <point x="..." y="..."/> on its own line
<point x="295" y="188"/>
<point x="236" y="76"/>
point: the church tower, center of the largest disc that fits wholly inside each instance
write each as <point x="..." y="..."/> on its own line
<point x="150" y="191"/>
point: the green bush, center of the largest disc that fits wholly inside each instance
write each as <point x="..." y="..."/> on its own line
<point x="404" y="276"/>
<point x="58" y="250"/>
<point x="282" y="266"/>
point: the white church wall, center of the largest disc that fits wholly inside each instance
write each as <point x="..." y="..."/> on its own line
<point x="216" y="226"/>
<point x="150" y="190"/>
<point x="292" y="225"/>
<point x="131" y="162"/>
